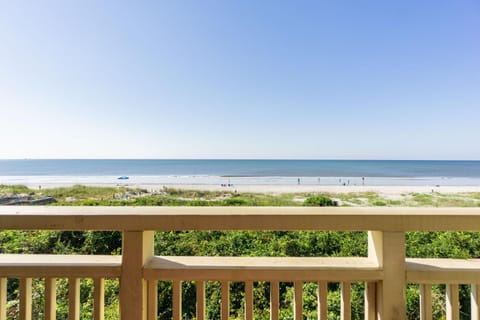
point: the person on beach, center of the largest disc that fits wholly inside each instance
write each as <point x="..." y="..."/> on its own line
<point x="298" y="181"/>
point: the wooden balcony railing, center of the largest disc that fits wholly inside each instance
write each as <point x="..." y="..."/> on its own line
<point x="386" y="271"/>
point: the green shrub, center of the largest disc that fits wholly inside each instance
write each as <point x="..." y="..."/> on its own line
<point x="319" y="201"/>
<point x="235" y="202"/>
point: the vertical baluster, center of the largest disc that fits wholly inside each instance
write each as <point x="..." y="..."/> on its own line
<point x="298" y="300"/>
<point x="452" y="302"/>
<point x="248" y="300"/>
<point x="225" y="309"/>
<point x="274" y="300"/>
<point x="370" y="300"/>
<point x="475" y="301"/>
<point x="346" y="309"/>
<point x="50" y="298"/>
<point x="74" y="298"/>
<point x="98" y="298"/>
<point x="3" y="298"/>
<point x="425" y="302"/>
<point x="177" y="300"/>
<point x="200" y="300"/>
<point x="26" y="298"/>
<point x="152" y="300"/>
<point x="322" y="300"/>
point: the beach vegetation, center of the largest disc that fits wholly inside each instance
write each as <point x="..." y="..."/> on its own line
<point x="124" y="196"/>
<point x="319" y="201"/>
<point x="423" y="199"/>
<point x="6" y="190"/>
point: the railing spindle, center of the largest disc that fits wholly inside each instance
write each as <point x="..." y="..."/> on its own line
<point x="98" y="298"/>
<point x="177" y="300"/>
<point x="475" y="301"/>
<point x="248" y="300"/>
<point x="346" y="308"/>
<point x="452" y="302"/>
<point x="200" y="300"/>
<point x="3" y="298"/>
<point x="322" y="300"/>
<point x="152" y="299"/>
<point x="425" y="302"/>
<point x="274" y="300"/>
<point x="50" y="298"/>
<point x="298" y="300"/>
<point x="26" y="298"/>
<point x="225" y="309"/>
<point x="370" y="300"/>
<point x="74" y="298"/>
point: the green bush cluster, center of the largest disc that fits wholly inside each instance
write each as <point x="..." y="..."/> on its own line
<point x="319" y="201"/>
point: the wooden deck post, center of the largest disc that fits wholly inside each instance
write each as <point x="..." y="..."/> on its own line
<point x="387" y="249"/>
<point x="137" y="250"/>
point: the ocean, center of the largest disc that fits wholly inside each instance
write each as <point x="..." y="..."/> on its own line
<point x="327" y="172"/>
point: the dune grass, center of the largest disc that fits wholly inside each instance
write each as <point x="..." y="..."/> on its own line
<point x="124" y="196"/>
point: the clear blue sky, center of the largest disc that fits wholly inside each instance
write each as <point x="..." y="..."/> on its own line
<point x="240" y="79"/>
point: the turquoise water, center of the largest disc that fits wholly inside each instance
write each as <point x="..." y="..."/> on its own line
<point x="329" y="172"/>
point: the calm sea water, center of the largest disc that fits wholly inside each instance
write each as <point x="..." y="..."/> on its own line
<point x="244" y="171"/>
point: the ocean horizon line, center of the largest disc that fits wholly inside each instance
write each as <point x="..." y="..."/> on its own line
<point x="237" y="159"/>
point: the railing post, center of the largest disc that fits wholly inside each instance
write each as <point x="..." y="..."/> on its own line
<point x="387" y="249"/>
<point x="137" y="250"/>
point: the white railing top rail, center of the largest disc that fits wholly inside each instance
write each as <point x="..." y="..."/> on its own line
<point x="239" y="218"/>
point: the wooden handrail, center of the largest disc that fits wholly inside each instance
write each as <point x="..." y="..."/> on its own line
<point x="240" y="218"/>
